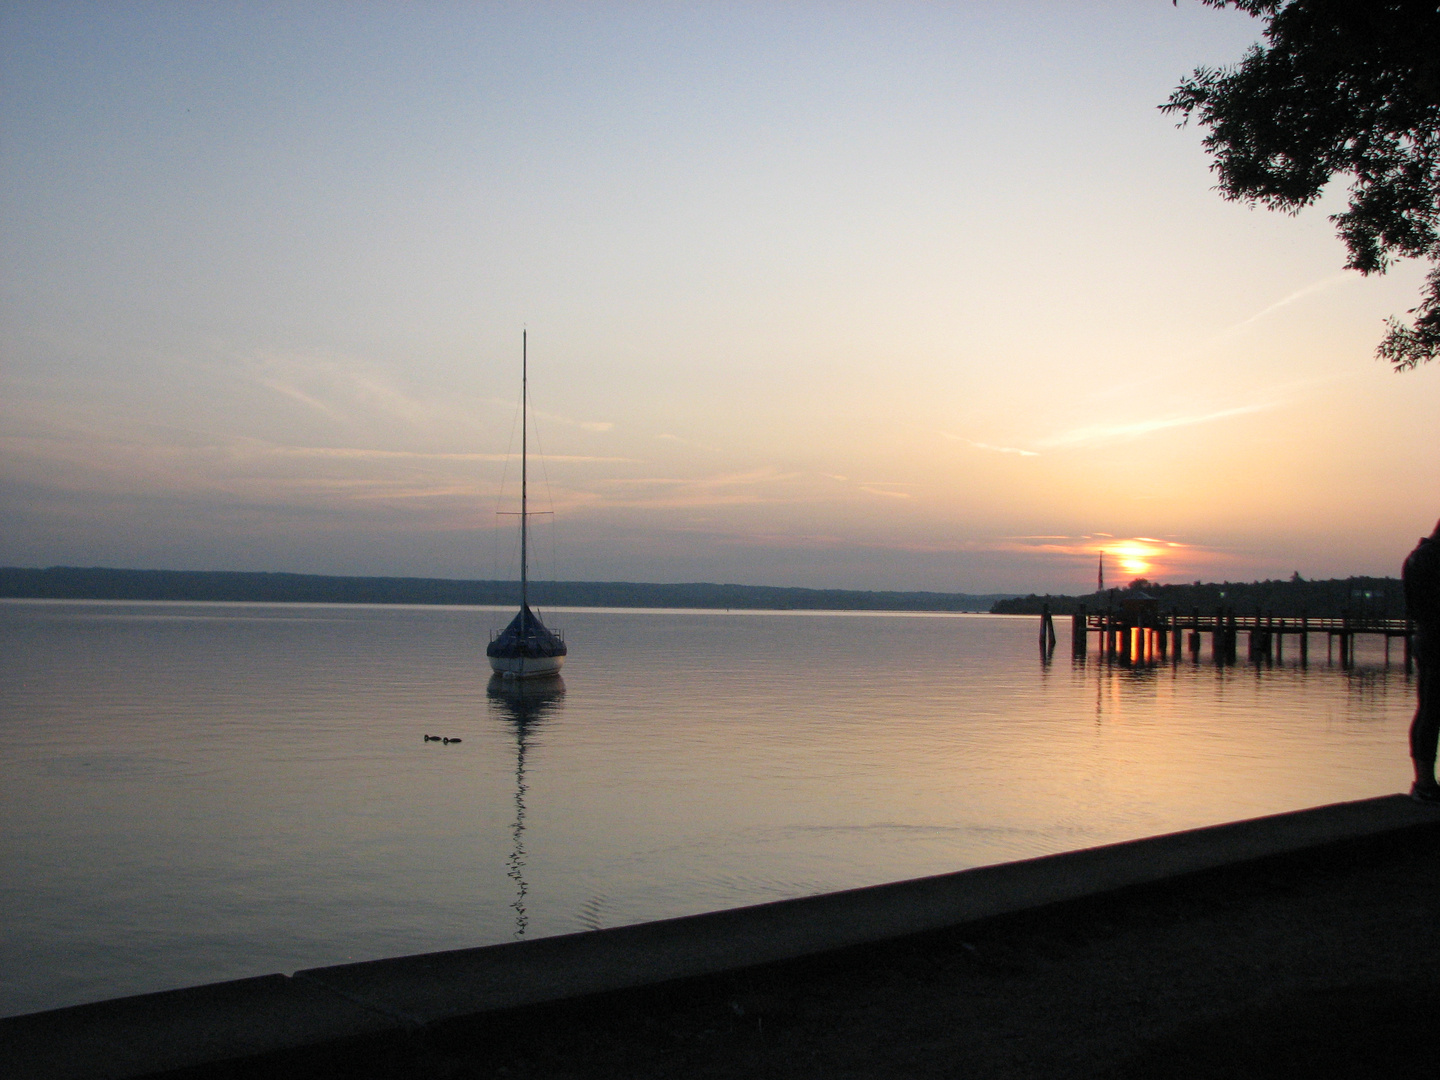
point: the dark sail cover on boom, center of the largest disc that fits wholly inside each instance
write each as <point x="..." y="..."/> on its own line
<point x="526" y="638"/>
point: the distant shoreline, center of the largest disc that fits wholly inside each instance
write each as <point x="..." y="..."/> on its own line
<point x="107" y="583"/>
<point x="1282" y="598"/>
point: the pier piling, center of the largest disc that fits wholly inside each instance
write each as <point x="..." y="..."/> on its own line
<point x="1079" y="636"/>
<point x="1146" y="637"/>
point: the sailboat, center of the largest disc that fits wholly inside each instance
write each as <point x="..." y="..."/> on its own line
<point x="527" y="648"/>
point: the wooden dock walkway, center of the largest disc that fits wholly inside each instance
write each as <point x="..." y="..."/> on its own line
<point x="1135" y="635"/>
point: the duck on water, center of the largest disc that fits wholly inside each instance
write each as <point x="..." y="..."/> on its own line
<point x="527" y="648"/>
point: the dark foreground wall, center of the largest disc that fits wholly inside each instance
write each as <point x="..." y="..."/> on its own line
<point x="103" y="583"/>
<point x="324" y="1009"/>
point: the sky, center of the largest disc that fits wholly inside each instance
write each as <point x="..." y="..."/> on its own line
<point x="841" y="295"/>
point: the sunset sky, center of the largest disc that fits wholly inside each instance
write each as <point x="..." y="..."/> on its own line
<point x="856" y="295"/>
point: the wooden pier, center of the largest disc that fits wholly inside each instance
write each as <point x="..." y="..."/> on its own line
<point x="1133" y="635"/>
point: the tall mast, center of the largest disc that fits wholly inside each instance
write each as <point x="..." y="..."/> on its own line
<point x="524" y="428"/>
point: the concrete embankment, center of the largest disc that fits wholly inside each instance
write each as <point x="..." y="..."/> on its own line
<point x="321" y="1010"/>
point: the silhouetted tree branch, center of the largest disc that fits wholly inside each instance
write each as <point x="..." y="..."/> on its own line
<point x="1339" y="87"/>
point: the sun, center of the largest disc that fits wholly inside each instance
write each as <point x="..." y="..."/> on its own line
<point x="1134" y="557"/>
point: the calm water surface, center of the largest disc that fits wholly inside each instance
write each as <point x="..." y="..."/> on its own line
<point x="194" y="792"/>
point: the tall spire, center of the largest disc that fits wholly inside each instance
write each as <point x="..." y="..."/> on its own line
<point x="1100" y="585"/>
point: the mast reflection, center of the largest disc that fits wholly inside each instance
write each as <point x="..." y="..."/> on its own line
<point x="524" y="704"/>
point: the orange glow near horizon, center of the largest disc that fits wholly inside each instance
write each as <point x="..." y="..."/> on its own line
<point x="1135" y="557"/>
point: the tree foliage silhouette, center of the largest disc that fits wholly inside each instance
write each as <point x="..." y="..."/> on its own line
<point x="1338" y="88"/>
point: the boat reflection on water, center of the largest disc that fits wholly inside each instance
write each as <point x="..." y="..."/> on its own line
<point x="525" y="705"/>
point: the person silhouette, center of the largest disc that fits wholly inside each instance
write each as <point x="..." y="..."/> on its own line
<point x="1421" y="580"/>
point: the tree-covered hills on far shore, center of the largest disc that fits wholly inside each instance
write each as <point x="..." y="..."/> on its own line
<point x="1282" y="598"/>
<point x="1379" y="597"/>
<point x="100" y="583"/>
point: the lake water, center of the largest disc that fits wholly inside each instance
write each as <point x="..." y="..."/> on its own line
<point x="193" y="792"/>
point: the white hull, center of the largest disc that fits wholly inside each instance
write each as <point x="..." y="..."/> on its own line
<point x="527" y="667"/>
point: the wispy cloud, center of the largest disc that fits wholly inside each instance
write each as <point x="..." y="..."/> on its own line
<point x="1205" y="346"/>
<point x="823" y="541"/>
<point x="341" y="387"/>
<point x="570" y="421"/>
<point x="643" y="481"/>
<point x="989" y="446"/>
<point x="1086" y="544"/>
<point x="1094" y="434"/>
<point x="886" y="489"/>
<point x="666" y="436"/>
<point x="294" y="393"/>
<point x="150" y="461"/>
<point x="352" y="453"/>
<point x="1323" y="285"/>
<point x="755" y="486"/>
<point x="1124" y="556"/>
<point x="346" y="388"/>
<point x="550" y="416"/>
